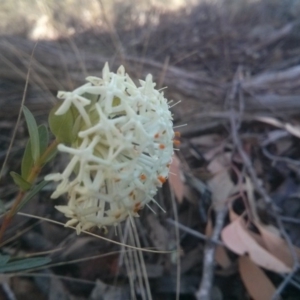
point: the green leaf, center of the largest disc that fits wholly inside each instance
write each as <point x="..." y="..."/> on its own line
<point x="33" y="133"/>
<point x="23" y="264"/>
<point x="32" y="193"/>
<point x="62" y="125"/>
<point x="27" y="161"/>
<point x="20" y="181"/>
<point x="4" y="259"/>
<point x="43" y="138"/>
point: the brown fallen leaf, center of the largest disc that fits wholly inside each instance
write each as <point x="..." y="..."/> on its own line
<point x="238" y="239"/>
<point x="175" y="179"/>
<point x="276" y="245"/>
<point x="270" y="235"/>
<point x="255" y="280"/>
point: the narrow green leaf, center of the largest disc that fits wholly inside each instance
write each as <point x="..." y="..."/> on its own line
<point x="62" y="125"/>
<point x="33" y="133"/>
<point x="27" y="161"/>
<point x="23" y="264"/>
<point x="43" y="138"/>
<point x="4" y="259"/>
<point x="32" y="193"/>
<point x="20" y="181"/>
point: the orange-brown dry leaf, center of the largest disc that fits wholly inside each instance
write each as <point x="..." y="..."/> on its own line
<point x="175" y="179"/>
<point x="270" y="236"/>
<point x="276" y="245"/>
<point x="238" y="239"/>
<point x="231" y="238"/>
<point x="255" y="280"/>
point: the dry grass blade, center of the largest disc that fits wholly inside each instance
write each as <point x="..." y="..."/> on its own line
<point x="91" y="234"/>
<point x="19" y="114"/>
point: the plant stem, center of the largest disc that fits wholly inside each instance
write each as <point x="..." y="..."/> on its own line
<point x="35" y="171"/>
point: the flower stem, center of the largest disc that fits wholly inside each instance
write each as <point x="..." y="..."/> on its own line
<point x="35" y="171"/>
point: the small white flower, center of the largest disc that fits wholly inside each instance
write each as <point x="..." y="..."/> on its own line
<point x="122" y="151"/>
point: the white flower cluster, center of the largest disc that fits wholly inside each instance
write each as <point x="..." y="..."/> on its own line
<point x="122" y="152"/>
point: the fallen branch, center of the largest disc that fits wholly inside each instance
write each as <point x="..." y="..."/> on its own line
<point x="204" y="292"/>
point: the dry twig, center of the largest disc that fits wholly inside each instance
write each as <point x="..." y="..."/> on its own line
<point x="235" y="119"/>
<point x="204" y="292"/>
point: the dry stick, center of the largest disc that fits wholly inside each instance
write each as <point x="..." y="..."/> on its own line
<point x="193" y="232"/>
<point x="263" y="193"/>
<point x="279" y="158"/>
<point x="10" y="295"/>
<point x="274" y="37"/>
<point x="204" y="292"/>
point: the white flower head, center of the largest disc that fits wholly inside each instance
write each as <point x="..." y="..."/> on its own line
<point x="122" y="152"/>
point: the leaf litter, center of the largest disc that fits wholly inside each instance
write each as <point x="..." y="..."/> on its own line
<point x="209" y="172"/>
